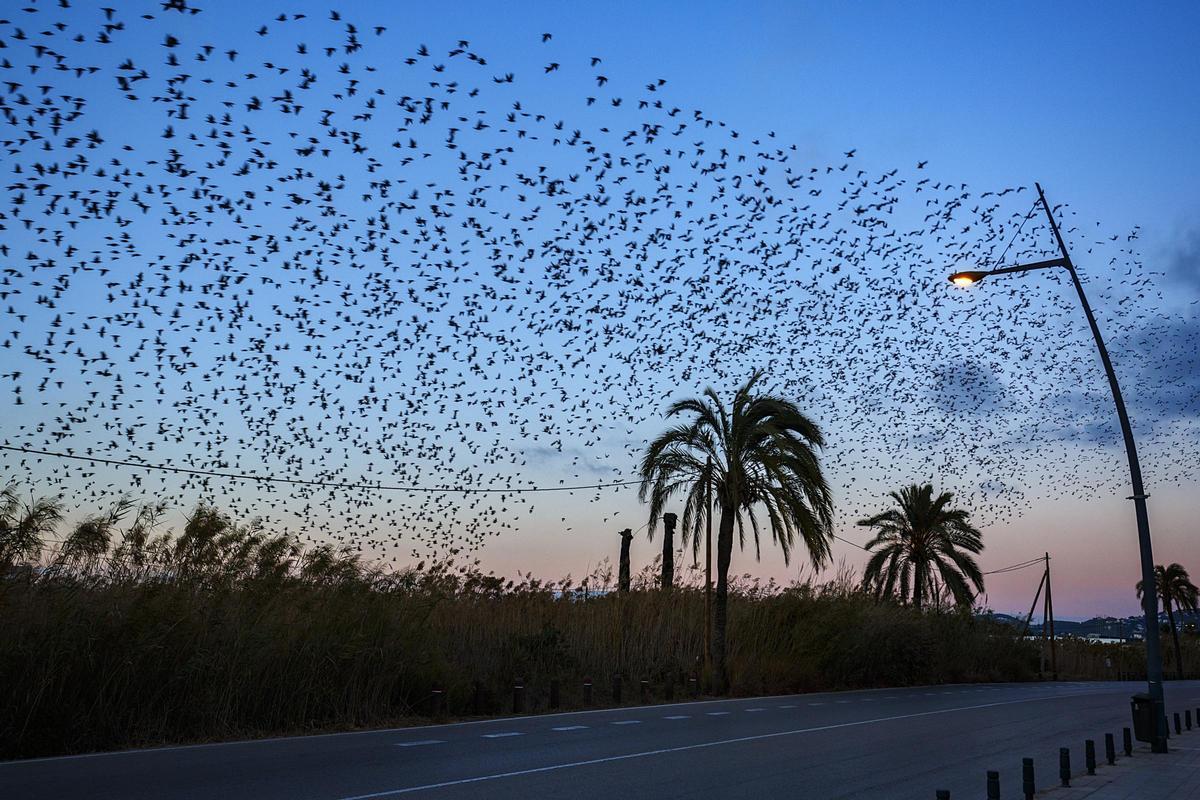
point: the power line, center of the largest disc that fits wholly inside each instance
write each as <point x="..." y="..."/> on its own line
<point x="386" y="488"/>
<point x="1033" y="562"/>
<point x="1010" y="568"/>
<point x="301" y="482"/>
<point x="1017" y="233"/>
<point x="847" y="541"/>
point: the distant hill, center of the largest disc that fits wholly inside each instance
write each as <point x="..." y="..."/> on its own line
<point x="1107" y="627"/>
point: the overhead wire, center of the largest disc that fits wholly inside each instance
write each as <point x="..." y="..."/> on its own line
<point x="386" y="487"/>
<point x="304" y="482"/>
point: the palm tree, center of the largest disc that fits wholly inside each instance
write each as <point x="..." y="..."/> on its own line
<point x="758" y="453"/>
<point x="919" y="540"/>
<point x="1176" y="589"/>
<point x="23" y="524"/>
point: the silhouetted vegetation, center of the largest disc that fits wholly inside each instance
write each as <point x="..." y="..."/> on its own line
<point x="1176" y="590"/>
<point x="222" y="631"/>
<point x="923" y="543"/>
<point x="755" y="459"/>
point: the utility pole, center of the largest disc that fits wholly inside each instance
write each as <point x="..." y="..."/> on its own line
<point x="1025" y="629"/>
<point x="1045" y="633"/>
<point x="1050" y="616"/>
<point x="708" y="567"/>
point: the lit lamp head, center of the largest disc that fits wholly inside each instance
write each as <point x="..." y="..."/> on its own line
<point x="967" y="278"/>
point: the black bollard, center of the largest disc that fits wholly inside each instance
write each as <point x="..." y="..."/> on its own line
<point x="669" y="688"/>
<point x="1027" y="778"/>
<point x="554" y="693"/>
<point x="993" y="785"/>
<point x="1064" y="765"/>
<point x="616" y="690"/>
<point x="1089" y="756"/>
<point x="1178" y="727"/>
<point x="477" y="699"/>
<point x="1127" y="741"/>
<point x="436" y="699"/>
<point x="1187" y="718"/>
<point x="646" y="692"/>
<point x="1110" y="749"/>
<point x="587" y="691"/>
<point x="943" y="794"/>
<point x="519" y="696"/>
<point x="694" y="686"/>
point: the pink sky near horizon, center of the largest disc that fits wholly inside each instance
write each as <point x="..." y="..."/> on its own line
<point x="1093" y="548"/>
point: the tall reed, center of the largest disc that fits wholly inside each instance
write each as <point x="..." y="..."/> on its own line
<point x="223" y="631"/>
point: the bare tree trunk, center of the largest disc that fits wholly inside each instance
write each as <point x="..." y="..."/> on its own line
<point x="623" y="575"/>
<point x="668" y="561"/>
<point x="721" y="604"/>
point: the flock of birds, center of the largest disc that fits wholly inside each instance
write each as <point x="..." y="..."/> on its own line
<point x="303" y="246"/>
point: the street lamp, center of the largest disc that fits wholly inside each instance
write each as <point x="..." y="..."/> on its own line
<point x="1150" y="596"/>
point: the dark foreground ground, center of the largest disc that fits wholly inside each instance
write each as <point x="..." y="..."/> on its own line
<point x="886" y="743"/>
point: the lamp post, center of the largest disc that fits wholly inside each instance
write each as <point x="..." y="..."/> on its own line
<point x="1149" y="597"/>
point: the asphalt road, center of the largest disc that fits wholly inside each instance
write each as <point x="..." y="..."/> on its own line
<point x="886" y="743"/>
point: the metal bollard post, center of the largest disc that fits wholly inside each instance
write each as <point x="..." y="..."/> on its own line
<point x="436" y="697"/>
<point x="519" y="696"/>
<point x="554" y="693"/>
<point x="669" y="688"/>
<point x="1064" y="765"/>
<point x="1089" y="756"/>
<point x="646" y="692"/>
<point x="1027" y="778"/>
<point x="1178" y="727"/>
<point x="943" y="794"/>
<point x="587" y="691"/>
<point x="1127" y="741"/>
<point x="694" y="686"/>
<point x="1110" y="749"/>
<point x="993" y="785"/>
<point x="616" y="690"/>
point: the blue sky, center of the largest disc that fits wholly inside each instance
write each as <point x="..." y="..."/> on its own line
<point x="1097" y="101"/>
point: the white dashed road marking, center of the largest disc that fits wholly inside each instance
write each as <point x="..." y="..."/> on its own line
<point x="787" y="706"/>
<point x="680" y="749"/>
<point x="422" y="742"/>
<point x="628" y="722"/>
<point x="755" y="709"/>
<point x="716" y="713"/>
<point x="570" y="728"/>
<point x="678" y="716"/>
<point x="501" y="735"/>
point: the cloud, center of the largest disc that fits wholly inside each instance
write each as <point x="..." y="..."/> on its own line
<point x="579" y="460"/>
<point x="966" y="388"/>
<point x="1158" y="366"/>
<point x="1167" y="359"/>
<point x="1183" y="264"/>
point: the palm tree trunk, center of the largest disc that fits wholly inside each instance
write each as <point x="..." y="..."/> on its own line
<point x="721" y="601"/>
<point x="623" y="571"/>
<point x="918" y="587"/>
<point x="1175" y="637"/>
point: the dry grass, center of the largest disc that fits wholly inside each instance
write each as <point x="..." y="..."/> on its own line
<point x="223" y="632"/>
